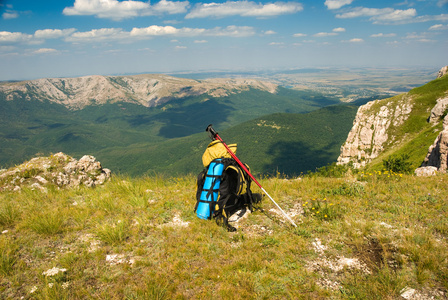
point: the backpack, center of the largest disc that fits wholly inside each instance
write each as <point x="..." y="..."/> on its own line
<point x="223" y="187"/>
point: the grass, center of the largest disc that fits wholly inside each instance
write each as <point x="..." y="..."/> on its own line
<point x="138" y="238"/>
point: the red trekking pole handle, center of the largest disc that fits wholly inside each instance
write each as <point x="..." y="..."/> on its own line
<point x="214" y="135"/>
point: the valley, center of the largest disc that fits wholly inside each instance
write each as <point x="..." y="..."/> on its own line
<point x="288" y="122"/>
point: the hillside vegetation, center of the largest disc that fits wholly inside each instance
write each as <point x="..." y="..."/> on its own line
<point x="30" y="127"/>
<point x="286" y="143"/>
<point x="365" y="236"/>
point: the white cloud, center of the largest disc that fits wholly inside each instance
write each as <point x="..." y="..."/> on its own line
<point x="336" y="4"/>
<point x="396" y="15"/>
<point x="339" y="29"/>
<point x="53" y="33"/>
<point x="244" y="9"/>
<point x="230" y="31"/>
<point x="299" y="34"/>
<point x="355" y="40"/>
<point x="118" y="34"/>
<point x="383" y="35"/>
<point x="9" y="14"/>
<point x="438" y="27"/>
<point x="200" y="41"/>
<point x="45" y="51"/>
<point x="423" y="37"/>
<point x="95" y="35"/>
<point x="154" y="30"/>
<point x="325" y="34"/>
<point x="276" y="44"/>
<point x="171" y="7"/>
<point x="380" y="15"/>
<point x="119" y="10"/>
<point x="180" y="47"/>
<point x="15" y="37"/>
<point x="270" y="32"/>
<point x="441" y="3"/>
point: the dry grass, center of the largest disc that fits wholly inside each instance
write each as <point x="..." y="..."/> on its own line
<point x="140" y="239"/>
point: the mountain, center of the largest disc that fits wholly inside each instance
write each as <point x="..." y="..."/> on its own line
<point x="92" y="115"/>
<point x="148" y="90"/>
<point x="407" y="124"/>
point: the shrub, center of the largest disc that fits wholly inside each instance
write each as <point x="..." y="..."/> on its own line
<point x="398" y="164"/>
<point x="331" y="170"/>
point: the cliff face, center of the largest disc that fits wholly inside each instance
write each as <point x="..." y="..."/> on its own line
<point x="371" y="129"/>
<point x="148" y="90"/>
<point x="438" y="152"/>
<point x="378" y="125"/>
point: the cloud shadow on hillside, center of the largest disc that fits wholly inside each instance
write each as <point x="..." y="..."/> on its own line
<point x="186" y="120"/>
<point x="293" y="158"/>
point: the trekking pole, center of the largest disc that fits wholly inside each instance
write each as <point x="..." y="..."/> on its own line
<point x="214" y="135"/>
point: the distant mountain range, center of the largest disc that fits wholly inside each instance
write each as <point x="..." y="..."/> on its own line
<point x="148" y="90"/>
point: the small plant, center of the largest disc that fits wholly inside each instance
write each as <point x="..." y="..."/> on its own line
<point x="332" y="170"/>
<point x="30" y="173"/>
<point x="353" y="189"/>
<point x="113" y="234"/>
<point x="7" y="259"/>
<point x="270" y="241"/>
<point x="428" y="198"/>
<point x="320" y="209"/>
<point x="9" y="213"/>
<point x="49" y="223"/>
<point x="398" y="164"/>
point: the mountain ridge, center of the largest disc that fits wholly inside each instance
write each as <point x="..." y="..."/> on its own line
<point x="148" y="90"/>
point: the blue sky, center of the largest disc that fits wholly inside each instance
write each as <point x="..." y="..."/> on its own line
<point x="65" y="38"/>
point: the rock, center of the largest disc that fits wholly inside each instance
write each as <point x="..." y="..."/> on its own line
<point x="370" y="129"/>
<point x="408" y="293"/>
<point x="59" y="170"/>
<point x="425" y="171"/>
<point x="438" y="110"/>
<point x="438" y="152"/>
<point x="442" y="72"/>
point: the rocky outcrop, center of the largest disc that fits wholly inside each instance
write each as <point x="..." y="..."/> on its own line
<point x="148" y="90"/>
<point x="442" y="72"/>
<point x="375" y="123"/>
<point x="370" y="129"/>
<point x="438" y="152"/>
<point x="58" y="170"/>
<point x="438" y="111"/>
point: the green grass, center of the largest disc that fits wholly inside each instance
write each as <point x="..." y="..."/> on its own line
<point x="121" y="241"/>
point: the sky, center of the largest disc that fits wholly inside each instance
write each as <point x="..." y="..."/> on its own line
<point x="68" y="38"/>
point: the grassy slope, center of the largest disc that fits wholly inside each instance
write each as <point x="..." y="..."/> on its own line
<point x="117" y="242"/>
<point x="418" y="132"/>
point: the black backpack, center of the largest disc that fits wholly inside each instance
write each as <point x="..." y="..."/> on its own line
<point x="223" y="188"/>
